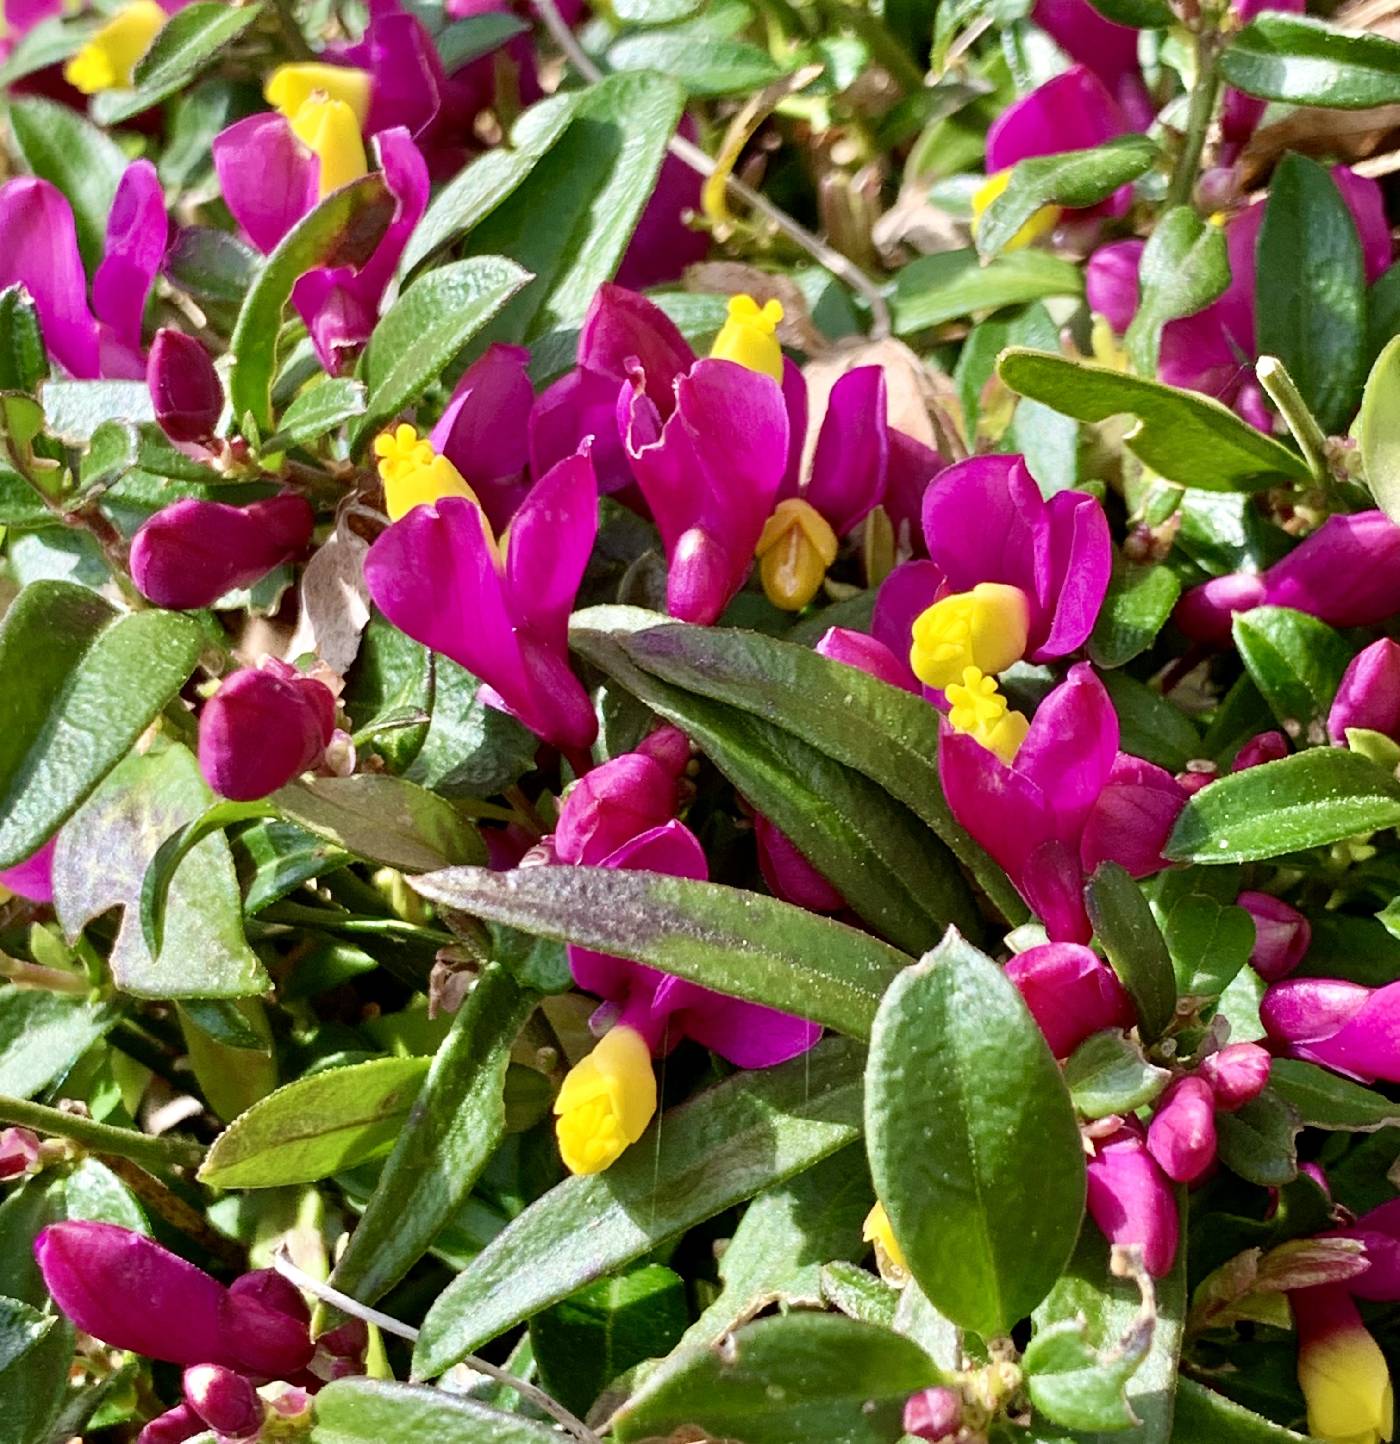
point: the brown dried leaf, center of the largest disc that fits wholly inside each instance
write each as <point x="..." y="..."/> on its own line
<point x="334" y="602"/>
<point x="1340" y="135"/>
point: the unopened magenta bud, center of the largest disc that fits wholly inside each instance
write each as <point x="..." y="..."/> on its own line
<point x="173" y="1427"/>
<point x="1071" y="994"/>
<point x="933" y="1414"/>
<point x="1347" y="573"/>
<point x="19" y="1152"/>
<point x="226" y="1401"/>
<point x="1195" y="777"/>
<point x="788" y="874"/>
<point x="1130" y="1198"/>
<point x="1369" y="694"/>
<point x="32" y="879"/>
<point x="1237" y="1074"/>
<point x="263" y="727"/>
<point x="1281" y="935"/>
<point x="1344" y="1026"/>
<point x="1181" y="1136"/>
<point x="1265" y="747"/>
<point x="1206" y="613"/>
<point x="868" y="654"/>
<point x="611" y="805"/>
<point x="669" y="746"/>
<point x="270" y="1289"/>
<point x="185" y="390"/>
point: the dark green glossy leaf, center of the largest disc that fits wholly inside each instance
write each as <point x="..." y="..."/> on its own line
<point x="42" y="1035"/>
<point x="1142" y="14"/>
<point x="1311" y="799"/>
<point x="1258" y="1140"/>
<point x="1108" y="1074"/>
<point x="974" y="1148"/>
<point x="1182" y="435"/>
<point x="1296" y="662"/>
<point x="212" y="266"/>
<point x="1323" y="1100"/>
<point x="1185" y="266"/>
<point x="1205" y="1417"/>
<point x="470" y="750"/>
<point x="79" y="683"/>
<point x="704" y="65"/>
<point x="1139" y="601"/>
<point x="466" y="40"/>
<point x="23" y="363"/>
<point x="35" y="1350"/>
<point x="1149" y="726"/>
<point x="1309" y="62"/>
<point x="372" y="1411"/>
<point x="725" y="1145"/>
<point x="1134" y="945"/>
<point x="952" y="284"/>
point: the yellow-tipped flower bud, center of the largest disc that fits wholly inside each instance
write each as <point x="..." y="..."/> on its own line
<point x="107" y="61"/>
<point x="1347" y="1385"/>
<point x="877" y="1230"/>
<point x="985" y="628"/>
<point x="978" y="709"/>
<point x="1040" y="224"/>
<point x="329" y="128"/>
<point x="413" y="473"/>
<point x="794" y="551"/>
<point x="748" y="336"/>
<point x="289" y="87"/>
<point x="606" y="1102"/>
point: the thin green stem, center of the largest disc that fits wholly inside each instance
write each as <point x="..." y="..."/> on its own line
<point x="333" y="921"/>
<point x="143" y="1148"/>
<point x="1283" y="391"/>
<point x="1198" y="117"/>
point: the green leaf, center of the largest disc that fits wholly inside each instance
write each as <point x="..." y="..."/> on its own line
<point x="1312" y="313"/>
<point x="1072" y="1384"/>
<point x="35" y="1351"/>
<point x="1134" y="945"/>
<point x="101" y="862"/>
<point x="471" y="749"/>
<point x="1323" y="1100"/>
<point x="1378" y="430"/>
<point x="951" y="284"/>
<point x="1139" y="601"/>
<point x="723" y="1146"/>
<point x="79" y="683"/>
<point x="316" y="411"/>
<point x="60" y="145"/>
<point x="655" y="12"/>
<point x="1209" y="943"/>
<point x="803" y="1376"/>
<point x="183" y="49"/>
<point x="1296" y="662"/>
<point x="974" y="1148"/>
<point x="592" y="183"/>
<point x="880" y="731"/>
<point x="735" y="942"/>
<point x="1073" y="178"/>
<point x="344" y="229"/>
<point x="584" y="1343"/>
<point x="42" y="1035"/>
<point x="1308" y="62"/>
<point x="1311" y="799"/>
<point x="456" y="1124"/>
<point x="1149" y="726"/>
<point x="1258" y="1140"/>
<point x="316" y="1126"/>
<point x="424" y="330"/>
<point x="231" y="1075"/>
<point x="46" y="44"/>
<point x="372" y="1411"/>
<point x="705" y="65"/>
<point x="212" y="266"/>
<point x="1184" y="436"/>
<point x="1205" y="1417"/>
<point x="75" y="410"/>
<point x="466" y="40"/>
<point x="23" y="362"/>
<point x="1141" y="14"/>
<point x="860" y="1295"/>
<point x="1108" y="1074"/>
<point x="383" y="819"/>
<point x="1185" y="266"/>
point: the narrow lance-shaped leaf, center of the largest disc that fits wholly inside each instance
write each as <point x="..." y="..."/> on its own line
<point x="1130" y="937"/>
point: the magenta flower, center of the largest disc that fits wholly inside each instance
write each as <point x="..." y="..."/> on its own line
<point x="129" y="1292"/>
<point x="264" y="726"/>
<point x="19" y="1152"/>
<point x="1181" y="1135"/>
<point x="439" y="575"/>
<point x="186" y="393"/>
<point x="32" y="879"/>
<point x="1369" y="694"/>
<point x="192" y="553"/>
<point x="1237" y="1074"/>
<point x="1066" y="802"/>
<point x="39" y="250"/>
<point x="1109" y="50"/>
<point x="1261" y="748"/>
<point x="21" y="16"/>
<point x="1281" y="935"/>
<point x="1071" y="993"/>
<point x="1350" y="1029"/>
<point x="933" y="1414"/>
<point x="1130" y="1198"/>
<point x="662" y="245"/>
<point x="869" y="654"/>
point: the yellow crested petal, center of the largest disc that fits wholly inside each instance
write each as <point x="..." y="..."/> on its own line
<point x="877" y="1230"/>
<point x="107" y="61"/>
<point x="606" y="1102"/>
<point x="977" y="708"/>
<point x="749" y="338"/>
<point x="1347" y="1385"/>
<point x="414" y="474"/>
<point x="1040" y="224"/>
<point x="985" y="628"/>
<point x="289" y="87"/>
<point x="794" y="551"/>
<point x="330" y="130"/>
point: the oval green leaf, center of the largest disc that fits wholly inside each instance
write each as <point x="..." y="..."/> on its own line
<point x="374" y="1411"/>
<point x="1134" y="945"/>
<point x="1309" y="62"/>
<point x="1296" y="662"/>
<point x="1378" y="429"/>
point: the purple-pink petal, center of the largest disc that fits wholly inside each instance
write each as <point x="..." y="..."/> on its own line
<point x="1369" y="694"/>
<point x="1071" y="993"/>
<point x="1132" y="817"/>
<point x="852" y="452"/>
<point x="137" y="233"/>
<point x="484" y="430"/>
<point x="868" y="654"/>
<point x="268" y="178"/>
<point x="1347" y="573"/>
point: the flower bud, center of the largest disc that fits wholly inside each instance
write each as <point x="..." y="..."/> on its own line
<point x="1071" y="994"/>
<point x="173" y="1427"/>
<point x="1351" y="1029"/>
<point x="1369" y="694"/>
<point x="1181" y="1136"/>
<point x="1130" y="1199"/>
<point x="19" y="1152"/>
<point x="32" y="879"/>
<point x="263" y="727"/>
<point x="933" y="1414"/>
<point x="1281" y="935"/>
<point x="1206" y="612"/>
<point x="226" y="1401"/>
<point x="1341" y="1369"/>
<point x="1236" y="1074"/>
<point x="611" y="805"/>
<point x="269" y="1289"/>
<point x="1347" y="573"/>
<point x="867" y="654"/>
<point x="606" y="1102"/>
<point x="1197" y="776"/>
<point x="192" y="553"/>
<point x="1262" y="748"/>
<point x="788" y="874"/>
<point x="185" y="389"/>
<point x="1111" y="282"/>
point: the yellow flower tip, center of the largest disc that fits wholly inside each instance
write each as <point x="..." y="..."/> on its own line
<point x="877" y="1230"/>
<point x="329" y="129"/>
<point x="414" y="474"/>
<point x="748" y="337"/>
<point x="985" y="628"/>
<point x="107" y="61"/>
<point x="794" y="551"/>
<point x="979" y="709"/>
<point x="289" y="87"/>
<point x="1347" y="1386"/>
<point x="1040" y="224"/>
<point x="606" y="1102"/>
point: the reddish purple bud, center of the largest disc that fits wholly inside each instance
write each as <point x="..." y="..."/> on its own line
<point x="173" y="1427"/>
<point x="1369" y="694"/>
<point x="1347" y="573"/>
<point x="1266" y="747"/>
<point x="1181" y="1136"/>
<point x="1071" y="994"/>
<point x="264" y="726"/>
<point x="32" y="879"/>
<point x="1196" y="776"/>
<point x="1237" y="1074"/>
<point x="1205" y="613"/>
<point x="19" y="1152"/>
<point x="1281" y="935"/>
<point x="788" y="874"/>
<point x="669" y="746"/>
<point x="610" y="806"/>
<point x="1130" y="1199"/>
<point x="933" y="1414"/>
<point x="867" y="654"/>
<point x="270" y="1289"/>
<point x="1351" y="1029"/>
<point x="1379" y="1230"/>
<point x="226" y="1401"/>
<point x="190" y="554"/>
<point x="185" y="389"/>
